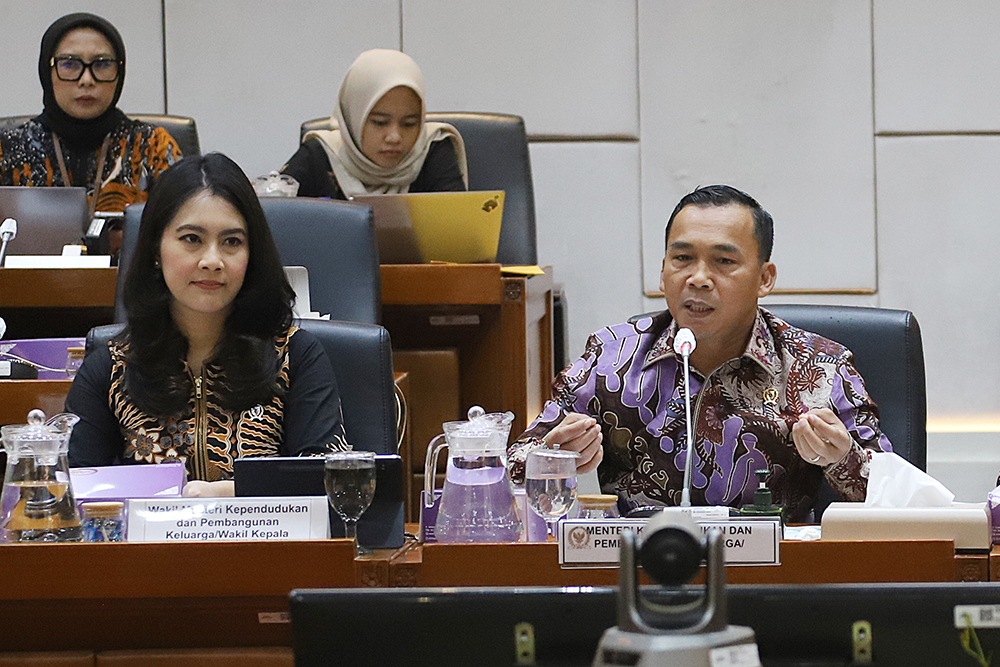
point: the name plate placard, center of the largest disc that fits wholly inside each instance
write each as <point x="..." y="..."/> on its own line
<point x="228" y="519"/>
<point x="595" y="542"/>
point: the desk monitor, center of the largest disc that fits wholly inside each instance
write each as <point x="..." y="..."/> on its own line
<point x="380" y="527"/>
<point x="47" y="218"/>
<point x="796" y="625"/>
<point x="417" y="228"/>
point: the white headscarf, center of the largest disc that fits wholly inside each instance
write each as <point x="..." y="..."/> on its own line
<point x="372" y="75"/>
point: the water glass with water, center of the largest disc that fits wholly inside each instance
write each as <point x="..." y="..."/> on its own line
<point x="550" y="482"/>
<point x="349" y="478"/>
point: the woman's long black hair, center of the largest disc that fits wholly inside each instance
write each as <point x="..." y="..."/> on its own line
<point x="244" y="364"/>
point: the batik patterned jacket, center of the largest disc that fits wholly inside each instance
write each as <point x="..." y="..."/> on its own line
<point x="305" y="420"/>
<point x="630" y="380"/>
<point x="137" y="154"/>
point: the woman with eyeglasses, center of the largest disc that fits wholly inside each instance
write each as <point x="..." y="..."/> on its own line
<point x="81" y="138"/>
<point x="380" y="142"/>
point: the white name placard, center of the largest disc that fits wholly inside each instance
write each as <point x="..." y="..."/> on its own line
<point x="57" y="262"/>
<point x="596" y="542"/>
<point x="228" y="519"/>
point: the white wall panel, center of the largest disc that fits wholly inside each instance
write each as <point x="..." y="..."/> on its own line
<point x="251" y="71"/>
<point x="966" y="463"/>
<point x="567" y="66"/>
<point x="936" y="65"/>
<point x="864" y="300"/>
<point x="939" y="230"/>
<point x="21" y="30"/>
<point x="774" y="98"/>
<point x="587" y="213"/>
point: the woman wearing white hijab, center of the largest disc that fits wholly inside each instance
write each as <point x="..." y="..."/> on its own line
<point x="380" y="142"/>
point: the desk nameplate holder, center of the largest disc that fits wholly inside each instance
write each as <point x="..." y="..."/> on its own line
<point x="228" y="519"/>
<point x="595" y="542"/>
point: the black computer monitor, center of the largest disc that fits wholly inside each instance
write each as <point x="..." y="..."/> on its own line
<point x="803" y="625"/>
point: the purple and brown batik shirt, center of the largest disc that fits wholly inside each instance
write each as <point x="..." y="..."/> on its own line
<point x="630" y="381"/>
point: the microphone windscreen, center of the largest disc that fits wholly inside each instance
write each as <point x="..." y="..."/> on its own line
<point x="684" y="342"/>
<point x="9" y="227"/>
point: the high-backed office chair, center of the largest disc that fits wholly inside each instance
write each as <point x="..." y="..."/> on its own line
<point x="183" y="129"/>
<point x="334" y="240"/>
<point x="889" y="354"/>
<point x="361" y="356"/>
<point x="496" y="146"/>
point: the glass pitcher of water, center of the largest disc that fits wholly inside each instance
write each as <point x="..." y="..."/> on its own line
<point x="477" y="504"/>
<point x="37" y="501"/>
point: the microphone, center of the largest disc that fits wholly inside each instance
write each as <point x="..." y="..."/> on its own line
<point x="684" y="345"/>
<point x="8" y="231"/>
<point x="684" y="342"/>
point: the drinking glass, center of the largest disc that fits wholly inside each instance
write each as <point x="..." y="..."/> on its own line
<point x="74" y="359"/>
<point x="550" y="482"/>
<point x="349" y="478"/>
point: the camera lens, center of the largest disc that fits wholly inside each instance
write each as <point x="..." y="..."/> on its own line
<point x="671" y="556"/>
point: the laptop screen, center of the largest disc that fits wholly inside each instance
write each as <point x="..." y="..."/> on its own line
<point x="421" y="227"/>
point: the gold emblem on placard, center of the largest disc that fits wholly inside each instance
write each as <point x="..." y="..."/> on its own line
<point x="579" y="538"/>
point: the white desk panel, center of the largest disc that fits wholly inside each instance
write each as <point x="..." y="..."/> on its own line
<point x="936" y="65"/>
<point x="567" y="66"/>
<point x="939" y="231"/>
<point x="774" y="98"/>
<point x="23" y="24"/>
<point x="251" y="71"/>
<point x="587" y="217"/>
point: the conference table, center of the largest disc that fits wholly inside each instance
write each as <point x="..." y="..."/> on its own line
<point x="99" y="597"/>
<point x="234" y="594"/>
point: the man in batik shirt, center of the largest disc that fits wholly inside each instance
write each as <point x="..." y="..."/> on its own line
<point x="764" y="393"/>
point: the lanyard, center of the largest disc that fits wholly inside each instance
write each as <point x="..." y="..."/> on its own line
<point x="100" y="168"/>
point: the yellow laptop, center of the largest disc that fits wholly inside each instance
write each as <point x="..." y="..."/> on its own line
<point x="417" y="228"/>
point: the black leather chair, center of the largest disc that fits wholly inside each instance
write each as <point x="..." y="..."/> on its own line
<point x="889" y="354"/>
<point x="334" y="240"/>
<point x="181" y="128"/>
<point x="496" y="146"/>
<point x="361" y="356"/>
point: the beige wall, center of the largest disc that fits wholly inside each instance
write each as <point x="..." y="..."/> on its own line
<point x="869" y="128"/>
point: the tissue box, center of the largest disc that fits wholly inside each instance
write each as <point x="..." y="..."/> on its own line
<point x="968" y="524"/>
<point x="162" y="480"/>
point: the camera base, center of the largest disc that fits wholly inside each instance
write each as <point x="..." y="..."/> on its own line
<point x="618" y="648"/>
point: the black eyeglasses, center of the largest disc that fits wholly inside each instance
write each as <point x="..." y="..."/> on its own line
<point x="71" y="68"/>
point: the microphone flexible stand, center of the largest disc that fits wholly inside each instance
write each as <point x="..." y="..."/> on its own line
<point x="688" y="461"/>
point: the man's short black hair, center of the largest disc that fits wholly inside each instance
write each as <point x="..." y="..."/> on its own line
<point x="724" y="195"/>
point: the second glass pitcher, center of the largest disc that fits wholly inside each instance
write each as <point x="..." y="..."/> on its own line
<point x="477" y="504"/>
